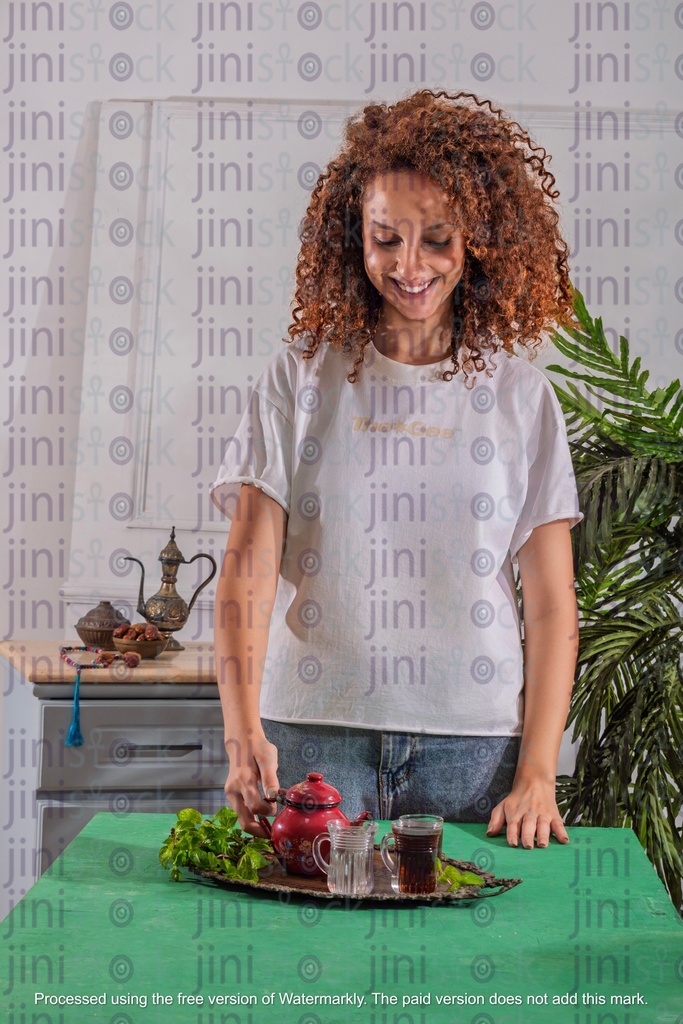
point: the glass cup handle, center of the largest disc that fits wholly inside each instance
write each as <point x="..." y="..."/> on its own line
<point x="323" y="837"/>
<point x="388" y="860"/>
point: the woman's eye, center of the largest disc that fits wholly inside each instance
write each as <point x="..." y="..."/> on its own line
<point x="395" y="242"/>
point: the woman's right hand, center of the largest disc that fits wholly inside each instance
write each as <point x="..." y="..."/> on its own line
<point x="257" y="767"/>
<point x="245" y="594"/>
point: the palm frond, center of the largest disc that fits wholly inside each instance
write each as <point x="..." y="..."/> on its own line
<point x="648" y="422"/>
<point x="627" y="708"/>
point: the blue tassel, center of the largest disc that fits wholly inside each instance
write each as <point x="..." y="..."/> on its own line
<point x="74" y="737"/>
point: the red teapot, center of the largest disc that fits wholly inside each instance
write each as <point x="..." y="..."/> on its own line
<point x="309" y="805"/>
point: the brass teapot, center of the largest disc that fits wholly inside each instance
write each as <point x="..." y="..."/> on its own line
<point x="166" y="609"/>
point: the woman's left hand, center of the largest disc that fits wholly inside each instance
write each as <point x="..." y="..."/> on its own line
<point x="529" y="812"/>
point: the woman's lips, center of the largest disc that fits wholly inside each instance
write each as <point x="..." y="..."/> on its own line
<point x="425" y="290"/>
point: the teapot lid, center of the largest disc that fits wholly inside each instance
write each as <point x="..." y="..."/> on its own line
<point x="104" y="616"/>
<point x="313" y="792"/>
<point x="172" y="553"/>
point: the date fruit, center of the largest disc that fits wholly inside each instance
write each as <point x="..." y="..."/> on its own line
<point x="105" y="657"/>
<point x="140" y="631"/>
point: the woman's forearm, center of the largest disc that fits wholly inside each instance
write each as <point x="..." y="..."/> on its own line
<point x="245" y="595"/>
<point x="550" y="647"/>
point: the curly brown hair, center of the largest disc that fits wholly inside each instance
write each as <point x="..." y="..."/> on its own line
<point x="515" y="284"/>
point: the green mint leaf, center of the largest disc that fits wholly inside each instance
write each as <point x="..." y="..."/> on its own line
<point x="189" y="816"/>
<point x="456" y="878"/>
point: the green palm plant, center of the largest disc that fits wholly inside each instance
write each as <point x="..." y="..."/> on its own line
<point x="627" y="706"/>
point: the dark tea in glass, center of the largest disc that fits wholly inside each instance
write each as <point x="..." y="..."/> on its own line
<point x="416" y="840"/>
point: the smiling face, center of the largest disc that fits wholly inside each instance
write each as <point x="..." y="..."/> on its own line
<point x="414" y="252"/>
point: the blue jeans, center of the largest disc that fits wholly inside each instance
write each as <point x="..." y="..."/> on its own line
<point x="461" y="778"/>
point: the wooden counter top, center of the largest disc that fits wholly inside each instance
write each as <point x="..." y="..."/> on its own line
<point x="38" y="661"/>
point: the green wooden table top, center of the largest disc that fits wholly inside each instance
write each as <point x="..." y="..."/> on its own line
<point x="589" y="937"/>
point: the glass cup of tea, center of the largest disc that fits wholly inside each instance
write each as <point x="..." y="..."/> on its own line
<point x="416" y="840"/>
<point x="350" y="869"/>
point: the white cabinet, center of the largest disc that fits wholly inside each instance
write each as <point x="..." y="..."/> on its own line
<point x="150" y="745"/>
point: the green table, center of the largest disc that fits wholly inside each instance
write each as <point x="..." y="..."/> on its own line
<point x="590" y="922"/>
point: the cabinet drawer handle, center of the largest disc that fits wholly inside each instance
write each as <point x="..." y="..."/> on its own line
<point x="126" y="750"/>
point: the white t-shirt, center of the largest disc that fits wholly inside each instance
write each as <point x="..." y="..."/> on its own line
<point x="407" y="499"/>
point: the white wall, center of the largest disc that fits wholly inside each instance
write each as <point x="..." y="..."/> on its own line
<point x="553" y="65"/>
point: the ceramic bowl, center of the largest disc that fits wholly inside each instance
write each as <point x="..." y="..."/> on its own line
<point x="97" y="637"/>
<point x="145" y="648"/>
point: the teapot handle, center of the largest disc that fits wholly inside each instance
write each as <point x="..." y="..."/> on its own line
<point x="263" y="822"/>
<point x="202" y="554"/>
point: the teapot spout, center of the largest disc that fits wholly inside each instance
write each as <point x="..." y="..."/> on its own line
<point x="141" y="595"/>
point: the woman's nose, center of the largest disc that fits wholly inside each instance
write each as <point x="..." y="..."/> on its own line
<point x="409" y="262"/>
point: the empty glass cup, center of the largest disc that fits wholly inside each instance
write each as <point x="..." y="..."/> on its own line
<point x="350" y="870"/>
<point x="417" y="840"/>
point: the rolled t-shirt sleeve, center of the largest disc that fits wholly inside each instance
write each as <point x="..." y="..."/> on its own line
<point x="260" y="453"/>
<point x="551" y="485"/>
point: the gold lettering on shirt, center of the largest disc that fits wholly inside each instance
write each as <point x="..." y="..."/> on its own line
<point x="415" y="429"/>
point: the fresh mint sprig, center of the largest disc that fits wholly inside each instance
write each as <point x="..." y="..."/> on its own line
<point x="213" y="844"/>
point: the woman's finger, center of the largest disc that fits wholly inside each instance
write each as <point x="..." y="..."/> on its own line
<point x="542" y="831"/>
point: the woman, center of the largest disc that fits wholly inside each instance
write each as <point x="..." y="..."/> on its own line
<point x="396" y="459"/>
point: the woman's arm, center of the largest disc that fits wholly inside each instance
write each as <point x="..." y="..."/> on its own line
<point x="245" y="595"/>
<point x="551" y="639"/>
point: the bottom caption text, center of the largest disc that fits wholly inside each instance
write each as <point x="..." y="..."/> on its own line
<point x="370" y="999"/>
